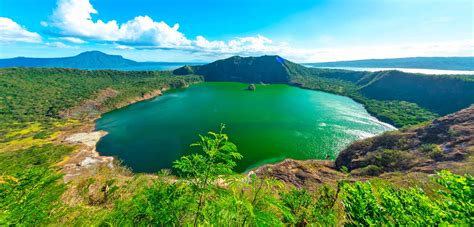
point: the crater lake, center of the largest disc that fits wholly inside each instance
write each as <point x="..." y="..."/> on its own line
<point x="268" y="125"/>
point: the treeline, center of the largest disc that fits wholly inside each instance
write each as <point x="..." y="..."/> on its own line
<point x="208" y="192"/>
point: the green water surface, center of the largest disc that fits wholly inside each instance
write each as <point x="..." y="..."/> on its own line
<point x="268" y="125"/>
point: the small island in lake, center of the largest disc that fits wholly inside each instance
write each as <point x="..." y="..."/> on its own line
<point x="251" y="87"/>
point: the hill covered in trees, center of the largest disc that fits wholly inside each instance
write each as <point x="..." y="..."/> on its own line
<point x="399" y="98"/>
<point x="43" y="97"/>
<point x="447" y="63"/>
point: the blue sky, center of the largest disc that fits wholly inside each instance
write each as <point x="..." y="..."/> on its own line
<point x="185" y="30"/>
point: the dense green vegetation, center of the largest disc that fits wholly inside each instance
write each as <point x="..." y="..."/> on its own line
<point x="447" y="63"/>
<point x="38" y="156"/>
<point x="399" y="98"/>
<point x="209" y="193"/>
<point x="371" y="204"/>
<point x="31" y="197"/>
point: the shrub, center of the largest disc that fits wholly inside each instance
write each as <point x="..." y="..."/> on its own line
<point x="367" y="204"/>
<point x="432" y="150"/>
<point x="389" y="160"/>
<point x="217" y="159"/>
<point x="30" y="197"/>
<point x="161" y="204"/>
<point x="371" y="170"/>
<point x="459" y="196"/>
<point x="307" y="209"/>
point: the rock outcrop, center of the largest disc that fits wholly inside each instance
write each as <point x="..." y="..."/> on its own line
<point x="302" y="173"/>
<point x="86" y="161"/>
<point x="251" y="87"/>
<point x="445" y="143"/>
<point x="427" y="148"/>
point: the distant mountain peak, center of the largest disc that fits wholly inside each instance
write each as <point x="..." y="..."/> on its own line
<point x="443" y="63"/>
<point x="97" y="53"/>
<point x="263" y="69"/>
<point x="93" y="52"/>
<point x="86" y="60"/>
<point x="254" y="57"/>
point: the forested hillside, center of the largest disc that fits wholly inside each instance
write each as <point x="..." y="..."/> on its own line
<point x="448" y="63"/>
<point x="38" y="95"/>
<point x="399" y="98"/>
<point x="265" y="69"/>
<point x="439" y="94"/>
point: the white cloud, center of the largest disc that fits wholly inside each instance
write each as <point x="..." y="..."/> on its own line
<point x="124" y="47"/>
<point x="73" y="18"/>
<point x="244" y="45"/>
<point x="61" y="45"/>
<point x="10" y="31"/>
<point x="143" y="30"/>
<point x="72" y="40"/>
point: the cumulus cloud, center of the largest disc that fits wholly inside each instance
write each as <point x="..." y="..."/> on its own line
<point x="10" y="31"/>
<point x="73" y="18"/>
<point x="243" y="45"/>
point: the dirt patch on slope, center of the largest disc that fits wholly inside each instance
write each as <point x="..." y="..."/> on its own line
<point x="86" y="161"/>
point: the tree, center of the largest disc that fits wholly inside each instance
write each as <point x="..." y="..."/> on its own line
<point x="202" y="170"/>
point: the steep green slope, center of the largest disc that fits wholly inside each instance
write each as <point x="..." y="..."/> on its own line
<point x="447" y="63"/>
<point x="439" y="94"/>
<point x="396" y="97"/>
<point x="265" y="69"/>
